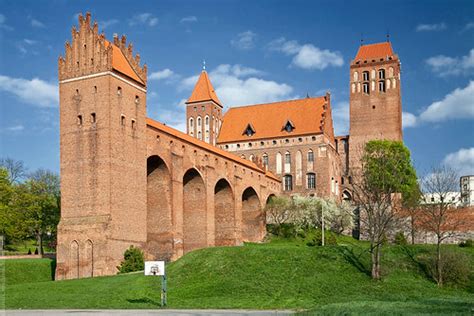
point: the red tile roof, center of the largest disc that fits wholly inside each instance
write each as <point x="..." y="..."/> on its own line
<point x="192" y="140"/>
<point x="377" y="50"/>
<point x="203" y="90"/>
<point x="269" y="119"/>
<point x="121" y="64"/>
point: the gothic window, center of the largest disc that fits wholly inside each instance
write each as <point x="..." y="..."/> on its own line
<point x="287" y="182"/>
<point x="382" y="86"/>
<point x="133" y="124"/>
<point x="289" y="127"/>
<point x="278" y="163"/>
<point x="122" y="120"/>
<point x="311" y="181"/>
<point x="249" y="130"/>
<point x="365" y="76"/>
<point x="207" y="136"/>
<point x="287" y="158"/>
<point x="93" y="118"/>
<point x="191" y="123"/>
<point x="356" y="76"/>
<point x="310" y="156"/>
<point x="353" y="87"/>
<point x="137" y="100"/>
<point x="265" y="159"/>
<point x="252" y="158"/>
<point x="373" y="74"/>
<point x="79" y="120"/>
<point x="390" y="72"/>
<point x="206" y="121"/>
<point x="199" y="135"/>
<point x="365" y="88"/>
<point x="381" y="73"/>
<point x="199" y="122"/>
<point x="387" y="82"/>
<point x="119" y="91"/>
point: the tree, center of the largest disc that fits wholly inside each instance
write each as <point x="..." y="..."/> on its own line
<point x="37" y="205"/>
<point x="133" y="260"/>
<point x="16" y="169"/>
<point x="386" y="173"/>
<point x="279" y="211"/>
<point x="440" y="217"/>
<point x="411" y="208"/>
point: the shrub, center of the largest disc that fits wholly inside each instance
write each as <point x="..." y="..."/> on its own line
<point x="133" y="261"/>
<point x="317" y="240"/>
<point x="400" y="239"/>
<point x="466" y="243"/>
<point x="455" y="268"/>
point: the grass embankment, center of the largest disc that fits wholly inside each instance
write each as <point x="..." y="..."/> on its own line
<point x="277" y="275"/>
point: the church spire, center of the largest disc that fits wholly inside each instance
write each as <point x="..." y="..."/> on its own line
<point x="203" y="90"/>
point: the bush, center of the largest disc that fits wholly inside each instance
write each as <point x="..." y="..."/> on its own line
<point x="400" y="239"/>
<point x="133" y="261"/>
<point x="466" y="243"/>
<point x="455" y="268"/>
<point x="317" y="240"/>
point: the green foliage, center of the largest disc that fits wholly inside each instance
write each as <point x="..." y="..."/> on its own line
<point x="317" y="239"/>
<point x="133" y="260"/>
<point x="279" y="210"/>
<point x="455" y="268"/>
<point x="388" y="168"/>
<point x="400" y="239"/>
<point x="466" y="243"/>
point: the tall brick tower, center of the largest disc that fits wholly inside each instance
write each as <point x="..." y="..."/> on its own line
<point x="204" y="111"/>
<point x="103" y="153"/>
<point x="375" y="100"/>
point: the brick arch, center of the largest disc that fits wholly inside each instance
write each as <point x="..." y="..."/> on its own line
<point x="74" y="260"/>
<point x="224" y="214"/>
<point x="194" y="211"/>
<point x="252" y="215"/>
<point x="159" y="222"/>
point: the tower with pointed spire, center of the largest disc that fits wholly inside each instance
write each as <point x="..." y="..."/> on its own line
<point x="204" y="110"/>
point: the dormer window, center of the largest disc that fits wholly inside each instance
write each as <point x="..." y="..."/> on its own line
<point x="249" y="130"/>
<point x="289" y="127"/>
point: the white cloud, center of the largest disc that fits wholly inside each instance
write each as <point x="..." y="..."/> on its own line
<point x="458" y="104"/>
<point x="162" y="74"/>
<point x="3" y="25"/>
<point x="461" y="160"/>
<point x="431" y="27"/>
<point x="35" y="91"/>
<point x="189" y="19"/>
<point x="244" y="40"/>
<point x="107" y="23"/>
<point x="29" y="41"/>
<point x="15" y="128"/>
<point x="307" y="56"/>
<point x="37" y="23"/>
<point x="237" y="85"/>
<point x="409" y="120"/>
<point x="469" y="26"/>
<point x="446" y="66"/>
<point x="144" y="19"/>
<point x="340" y="117"/>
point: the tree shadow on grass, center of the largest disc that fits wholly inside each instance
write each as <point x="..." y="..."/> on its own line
<point x="144" y="300"/>
<point x="421" y="265"/>
<point x="354" y="259"/>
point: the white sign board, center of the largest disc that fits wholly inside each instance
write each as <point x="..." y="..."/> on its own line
<point x="154" y="268"/>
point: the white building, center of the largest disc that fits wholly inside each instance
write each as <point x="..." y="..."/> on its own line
<point x="467" y="190"/>
<point x="453" y="198"/>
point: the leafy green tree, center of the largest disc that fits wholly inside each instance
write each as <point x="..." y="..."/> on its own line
<point x="133" y="260"/>
<point x="385" y="176"/>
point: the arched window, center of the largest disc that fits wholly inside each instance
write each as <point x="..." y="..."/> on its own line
<point x="242" y="156"/>
<point x="353" y="86"/>
<point x="207" y="136"/>
<point x="252" y="158"/>
<point x="373" y="74"/>
<point x="365" y="88"/>
<point x="310" y="155"/>
<point x="311" y="180"/>
<point x="394" y="83"/>
<point x="191" y="125"/>
<point x="356" y="76"/>
<point x="278" y="163"/>
<point x="265" y="159"/>
<point x="373" y="85"/>
<point x="387" y="83"/>
<point x="199" y="122"/>
<point x="381" y="86"/>
<point x="206" y="121"/>
<point x="287" y="183"/>
<point x="365" y="76"/>
<point x="287" y="157"/>
<point x="390" y="72"/>
<point x="381" y="73"/>
<point x="199" y="135"/>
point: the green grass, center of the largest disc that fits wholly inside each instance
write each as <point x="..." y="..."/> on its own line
<point x="22" y="247"/>
<point x="18" y="271"/>
<point x="278" y="275"/>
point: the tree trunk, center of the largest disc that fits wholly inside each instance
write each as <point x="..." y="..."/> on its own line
<point x="412" y="231"/>
<point x="439" y="268"/>
<point x="376" y="263"/>
<point x="39" y="239"/>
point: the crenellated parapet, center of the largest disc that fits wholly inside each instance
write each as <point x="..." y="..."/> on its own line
<point x="89" y="53"/>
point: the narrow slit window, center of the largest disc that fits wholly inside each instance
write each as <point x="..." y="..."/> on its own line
<point x="79" y="120"/>
<point x="93" y="118"/>
<point x="122" y="120"/>
<point x="133" y="124"/>
<point x="119" y="91"/>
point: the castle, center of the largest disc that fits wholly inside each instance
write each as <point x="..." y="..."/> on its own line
<point x="129" y="180"/>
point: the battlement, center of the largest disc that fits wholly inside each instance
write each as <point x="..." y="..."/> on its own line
<point x="90" y="53"/>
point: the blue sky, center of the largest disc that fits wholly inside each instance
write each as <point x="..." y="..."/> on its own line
<point x="255" y="51"/>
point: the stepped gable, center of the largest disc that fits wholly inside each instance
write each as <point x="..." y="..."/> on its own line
<point x="307" y="116"/>
<point x="90" y="53"/>
<point x="203" y="91"/>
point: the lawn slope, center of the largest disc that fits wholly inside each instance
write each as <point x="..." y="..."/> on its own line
<point x="278" y="275"/>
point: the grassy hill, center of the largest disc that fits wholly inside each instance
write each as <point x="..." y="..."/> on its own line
<point x="276" y="275"/>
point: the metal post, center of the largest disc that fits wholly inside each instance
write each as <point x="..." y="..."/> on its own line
<point x="322" y="222"/>
<point x="163" y="290"/>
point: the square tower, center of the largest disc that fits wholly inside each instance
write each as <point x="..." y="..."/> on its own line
<point x="102" y="107"/>
<point x="375" y="99"/>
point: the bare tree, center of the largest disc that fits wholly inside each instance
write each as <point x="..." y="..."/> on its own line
<point x="16" y="169"/>
<point x="440" y="216"/>
<point x="384" y="174"/>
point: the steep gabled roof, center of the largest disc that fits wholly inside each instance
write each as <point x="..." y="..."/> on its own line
<point x="203" y="90"/>
<point x="377" y="50"/>
<point x="306" y="115"/>
<point x="121" y="64"/>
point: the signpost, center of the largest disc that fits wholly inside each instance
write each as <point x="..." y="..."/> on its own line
<point x="157" y="268"/>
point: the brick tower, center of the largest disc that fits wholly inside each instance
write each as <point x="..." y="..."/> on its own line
<point x="103" y="153"/>
<point x="204" y="111"/>
<point x="375" y="100"/>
